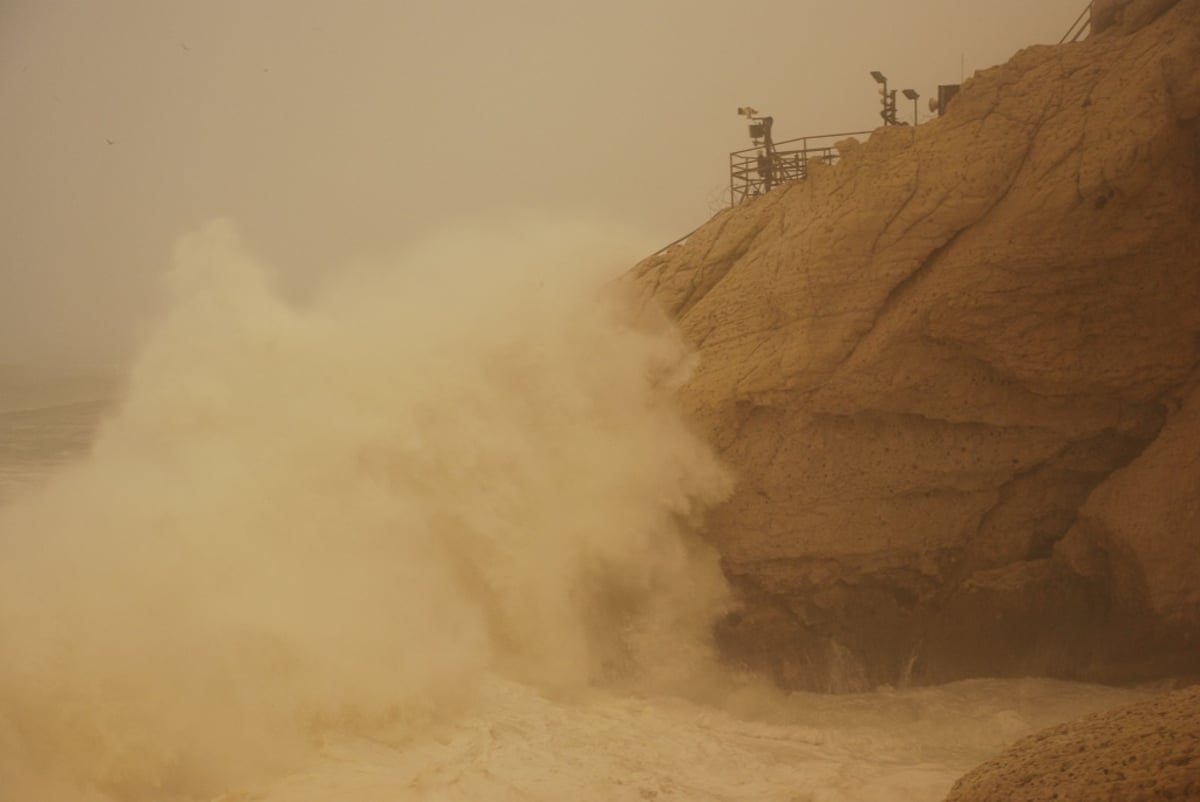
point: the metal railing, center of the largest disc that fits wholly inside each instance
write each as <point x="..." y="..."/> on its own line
<point x="671" y="245"/>
<point x="755" y="171"/>
<point x="1081" y="27"/>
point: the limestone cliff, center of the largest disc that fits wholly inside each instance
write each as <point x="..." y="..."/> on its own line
<point x="958" y="375"/>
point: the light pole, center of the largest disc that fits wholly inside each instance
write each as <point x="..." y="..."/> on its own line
<point x="912" y="95"/>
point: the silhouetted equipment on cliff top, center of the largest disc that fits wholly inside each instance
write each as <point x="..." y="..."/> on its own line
<point x="764" y="145"/>
<point x="767" y="164"/>
<point x="946" y="93"/>
<point x="888" y="98"/>
<point x="912" y="95"/>
<point x="758" y="169"/>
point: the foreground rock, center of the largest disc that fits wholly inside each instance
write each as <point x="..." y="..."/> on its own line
<point x="1148" y="751"/>
<point x="959" y="377"/>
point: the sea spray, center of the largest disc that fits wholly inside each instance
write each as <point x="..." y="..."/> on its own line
<point x="343" y="514"/>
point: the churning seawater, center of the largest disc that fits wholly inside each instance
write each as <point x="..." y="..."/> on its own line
<point x="431" y="535"/>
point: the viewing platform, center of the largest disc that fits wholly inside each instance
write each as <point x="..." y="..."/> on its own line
<point x="757" y="170"/>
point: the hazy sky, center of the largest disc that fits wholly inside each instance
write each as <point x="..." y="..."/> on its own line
<point x="332" y="131"/>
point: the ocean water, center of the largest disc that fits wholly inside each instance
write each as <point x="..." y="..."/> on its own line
<point x="47" y="418"/>
<point x="409" y="541"/>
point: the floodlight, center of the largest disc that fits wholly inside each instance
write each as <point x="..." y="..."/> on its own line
<point x="912" y="95"/>
<point x="878" y="76"/>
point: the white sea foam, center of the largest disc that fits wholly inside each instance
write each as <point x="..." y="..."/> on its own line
<point x="517" y="745"/>
<point x="429" y="535"/>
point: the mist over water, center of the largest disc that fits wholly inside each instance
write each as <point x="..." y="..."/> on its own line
<point x="432" y="533"/>
<point x="342" y="515"/>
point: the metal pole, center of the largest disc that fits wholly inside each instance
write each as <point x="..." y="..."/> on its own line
<point x="732" y="202"/>
<point x="769" y="146"/>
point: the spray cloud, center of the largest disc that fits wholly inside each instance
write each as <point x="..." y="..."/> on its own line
<point x="345" y="513"/>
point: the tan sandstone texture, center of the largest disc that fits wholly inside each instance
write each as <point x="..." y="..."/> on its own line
<point x="1142" y="753"/>
<point x="958" y="375"/>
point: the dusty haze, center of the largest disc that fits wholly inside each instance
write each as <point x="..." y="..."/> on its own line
<point x="348" y="513"/>
<point x="333" y="132"/>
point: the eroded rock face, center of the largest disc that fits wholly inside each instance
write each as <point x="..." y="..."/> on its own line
<point x="956" y="375"/>
<point x="1126" y="15"/>
<point x="1148" y="751"/>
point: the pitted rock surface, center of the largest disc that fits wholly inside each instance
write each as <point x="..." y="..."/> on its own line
<point x="1148" y="752"/>
<point x="957" y="373"/>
